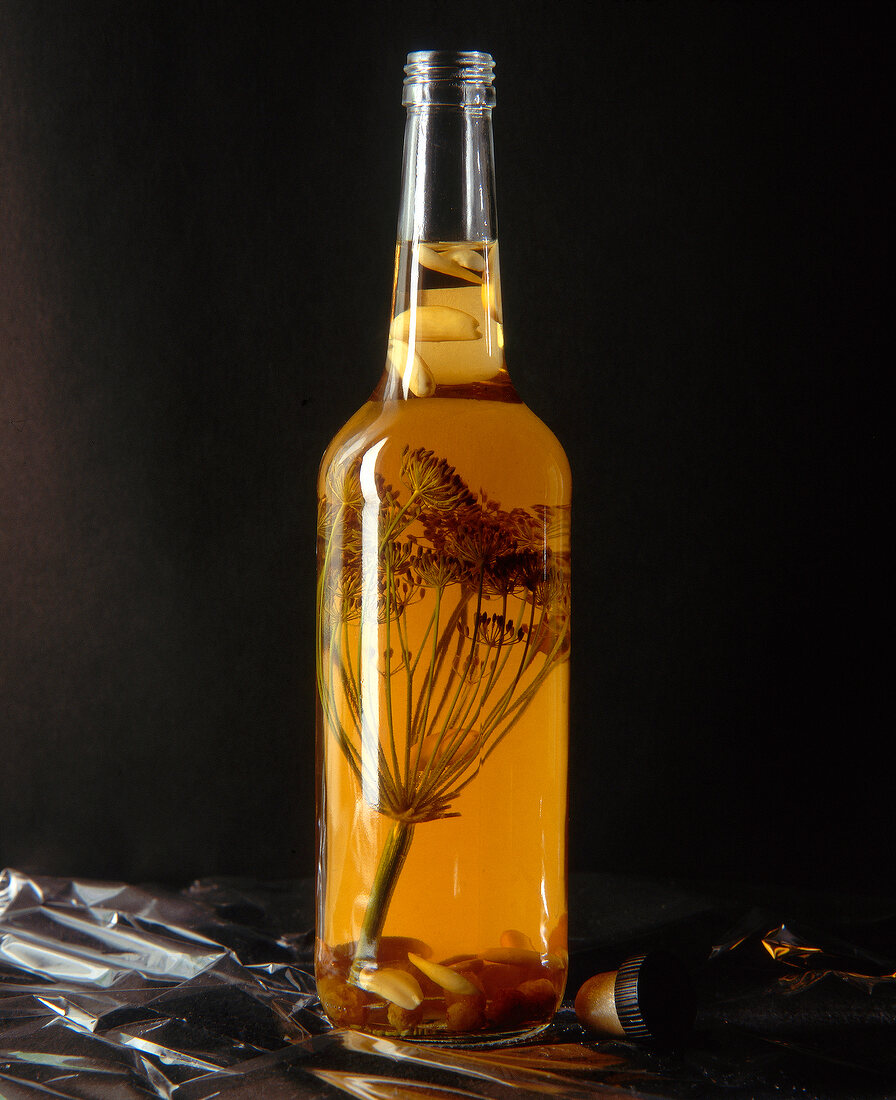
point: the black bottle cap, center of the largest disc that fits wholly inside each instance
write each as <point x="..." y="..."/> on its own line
<point x="650" y="997"/>
<point x="654" y="997"/>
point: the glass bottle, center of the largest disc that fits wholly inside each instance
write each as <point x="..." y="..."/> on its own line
<point x="443" y="631"/>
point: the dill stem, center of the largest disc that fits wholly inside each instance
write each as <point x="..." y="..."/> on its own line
<point x="351" y="682"/>
<point x="465" y="721"/>
<point x="438" y="660"/>
<point x="441" y="737"/>
<point x="522" y="701"/>
<point x="388" y="679"/>
<point x="409" y="705"/>
<point x="395" y="525"/>
<point x="425" y="696"/>
<point x="324" y="676"/>
<point x="392" y="858"/>
<point x="496" y="713"/>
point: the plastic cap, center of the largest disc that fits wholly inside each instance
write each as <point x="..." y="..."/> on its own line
<point x="649" y="997"/>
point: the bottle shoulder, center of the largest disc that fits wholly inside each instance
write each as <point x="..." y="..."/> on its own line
<point x="497" y="446"/>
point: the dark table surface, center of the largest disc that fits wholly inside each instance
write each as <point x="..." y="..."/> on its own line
<point x="116" y="990"/>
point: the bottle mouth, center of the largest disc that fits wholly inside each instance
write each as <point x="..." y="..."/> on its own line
<point x="452" y="78"/>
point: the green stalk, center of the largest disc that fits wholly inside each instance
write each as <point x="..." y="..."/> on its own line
<point x="436" y="663"/>
<point x="388" y="677"/>
<point x="392" y="859"/>
<point x="438" y="743"/>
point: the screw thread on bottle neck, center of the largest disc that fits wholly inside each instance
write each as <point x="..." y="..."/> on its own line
<point x="449" y="78"/>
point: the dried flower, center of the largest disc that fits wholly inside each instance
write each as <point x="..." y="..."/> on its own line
<point x="479" y="540"/>
<point x="344" y="486"/>
<point x="435" y="570"/>
<point x="432" y="481"/>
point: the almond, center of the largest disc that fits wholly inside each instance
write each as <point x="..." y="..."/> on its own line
<point x="444" y="976"/>
<point x="396" y="986"/>
<point x="435" y="323"/>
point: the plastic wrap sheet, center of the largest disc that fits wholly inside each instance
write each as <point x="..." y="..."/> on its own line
<point x="109" y="990"/>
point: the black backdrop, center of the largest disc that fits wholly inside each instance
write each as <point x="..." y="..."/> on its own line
<point x="198" y="217"/>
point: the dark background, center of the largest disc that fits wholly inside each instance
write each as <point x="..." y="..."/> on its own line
<point x="198" y="216"/>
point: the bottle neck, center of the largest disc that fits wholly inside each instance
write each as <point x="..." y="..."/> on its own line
<point x="446" y="336"/>
<point x="448" y="175"/>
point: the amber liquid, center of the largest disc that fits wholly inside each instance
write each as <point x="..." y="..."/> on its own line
<point x="418" y="686"/>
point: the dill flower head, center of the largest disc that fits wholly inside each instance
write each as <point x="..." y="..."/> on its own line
<point x="528" y="532"/>
<point x="341" y="503"/>
<point x="435" y="570"/>
<point x="344" y="486"/>
<point x="493" y="630"/>
<point x="551" y="590"/>
<point x="507" y="574"/>
<point x="393" y="597"/>
<point x="345" y="605"/>
<point x="479" y="539"/>
<point x="432" y="481"/>
<point x="395" y="557"/>
<point x="553" y="520"/>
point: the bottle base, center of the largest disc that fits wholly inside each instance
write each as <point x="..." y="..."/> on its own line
<point x="482" y="1040"/>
